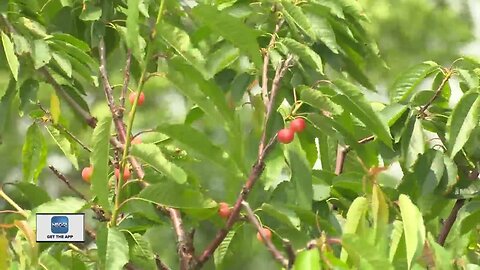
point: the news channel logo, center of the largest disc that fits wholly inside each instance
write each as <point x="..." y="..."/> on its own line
<point x="53" y="227"/>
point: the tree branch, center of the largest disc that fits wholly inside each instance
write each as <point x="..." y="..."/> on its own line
<point x="438" y="91"/>
<point x="184" y="245"/>
<point x="277" y="255"/>
<point x="126" y="81"/>
<point x="95" y="208"/>
<point x="255" y="172"/>
<point x="343" y="151"/>
<point x="447" y="225"/>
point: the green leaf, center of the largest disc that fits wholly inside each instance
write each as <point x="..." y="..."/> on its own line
<point x="6" y="104"/>
<point x="305" y="54"/>
<point x="200" y="144"/>
<point x="63" y="63"/>
<point x="10" y="54"/>
<point x="180" y="40"/>
<point x="319" y="99"/>
<point x="462" y="122"/>
<point x="152" y="155"/>
<point x="412" y="142"/>
<point x="90" y="12"/>
<point x="71" y="40"/>
<point x="403" y="87"/>
<point x="22" y="46"/>
<point x="67" y="148"/>
<point x="354" y="101"/>
<point x="230" y="28"/>
<point x="112" y="248"/>
<point x="28" y="93"/>
<point x="205" y="93"/>
<point x="133" y="28"/>
<point x="99" y="160"/>
<point x="301" y="173"/>
<point x="221" y="59"/>
<point x="222" y="249"/>
<point x="365" y="255"/>
<point x="294" y="14"/>
<point x="34" y="154"/>
<point x="323" y="30"/>
<point x="60" y="205"/>
<point x="413" y="227"/>
<point x="141" y="253"/>
<point x="308" y="260"/>
<point x="54" y="108"/>
<point x="4" y="254"/>
<point x="395" y="238"/>
<point x="33" y="193"/>
<point x="380" y="212"/>
<point x="49" y="262"/>
<point x="41" y="53"/>
<point x="355" y="215"/>
<point x="177" y="196"/>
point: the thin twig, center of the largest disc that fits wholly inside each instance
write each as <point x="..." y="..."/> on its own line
<point x="126" y="81"/>
<point x="161" y="265"/>
<point x="438" y="91"/>
<point x="95" y="208"/>
<point x="255" y="172"/>
<point x="266" y="60"/>
<point x="268" y="242"/>
<point x="340" y="162"/>
<point x="290" y="252"/>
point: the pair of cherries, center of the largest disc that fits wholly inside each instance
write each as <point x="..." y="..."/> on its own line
<point x="286" y="135"/>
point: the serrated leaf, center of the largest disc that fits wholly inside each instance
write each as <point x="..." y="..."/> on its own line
<point x="406" y="83"/>
<point x="152" y="155"/>
<point x="63" y="63"/>
<point x="10" y="54"/>
<point x="462" y="122"/>
<point x="413" y="227"/>
<point x="412" y="142"/>
<point x="364" y="254"/>
<point x="308" y="260"/>
<point x="73" y="41"/>
<point x="141" y="253"/>
<point x="301" y="174"/>
<point x="222" y="249"/>
<point x="323" y="30"/>
<point x="177" y="196"/>
<point x="41" y="53"/>
<point x="113" y="248"/>
<point x="54" y="108"/>
<point x="355" y="215"/>
<point x="180" y="40"/>
<point x="318" y="99"/>
<point x="221" y="59"/>
<point x="304" y="53"/>
<point x="230" y="28"/>
<point x="64" y="144"/>
<point x="353" y="100"/>
<point x="295" y="15"/>
<point x="99" y="161"/>
<point x="34" y="154"/>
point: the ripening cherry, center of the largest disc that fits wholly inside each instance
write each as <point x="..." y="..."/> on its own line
<point x="133" y="96"/>
<point x="136" y="140"/>
<point x="126" y="173"/>
<point x="224" y="210"/>
<point x="285" y="135"/>
<point x="298" y="125"/>
<point x="267" y="232"/>
<point x="87" y="173"/>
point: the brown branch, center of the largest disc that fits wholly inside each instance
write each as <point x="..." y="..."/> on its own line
<point x="277" y="255"/>
<point x="266" y="60"/>
<point x="447" y="225"/>
<point x="343" y="151"/>
<point x="126" y="81"/>
<point x="161" y="265"/>
<point x="255" y="172"/>
<point x="185" y="250"/>
<point x="290" y="252"/>
<point x="95" y="208"/>
<point x="438" y="91"/>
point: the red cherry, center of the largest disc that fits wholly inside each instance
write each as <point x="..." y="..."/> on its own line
<point x="298" y="125"/>
<point x="137" y="140"/>
<point x="87" y="173"/>
<point x="133" y="96"/>
<point x="267" y="232"/>
<point x="224" y="210"/>
<point x="285" y="135"/>
<point x="126" y="173"/>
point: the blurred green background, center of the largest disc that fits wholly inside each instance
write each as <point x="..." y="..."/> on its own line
<point x="407" y="32"/>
